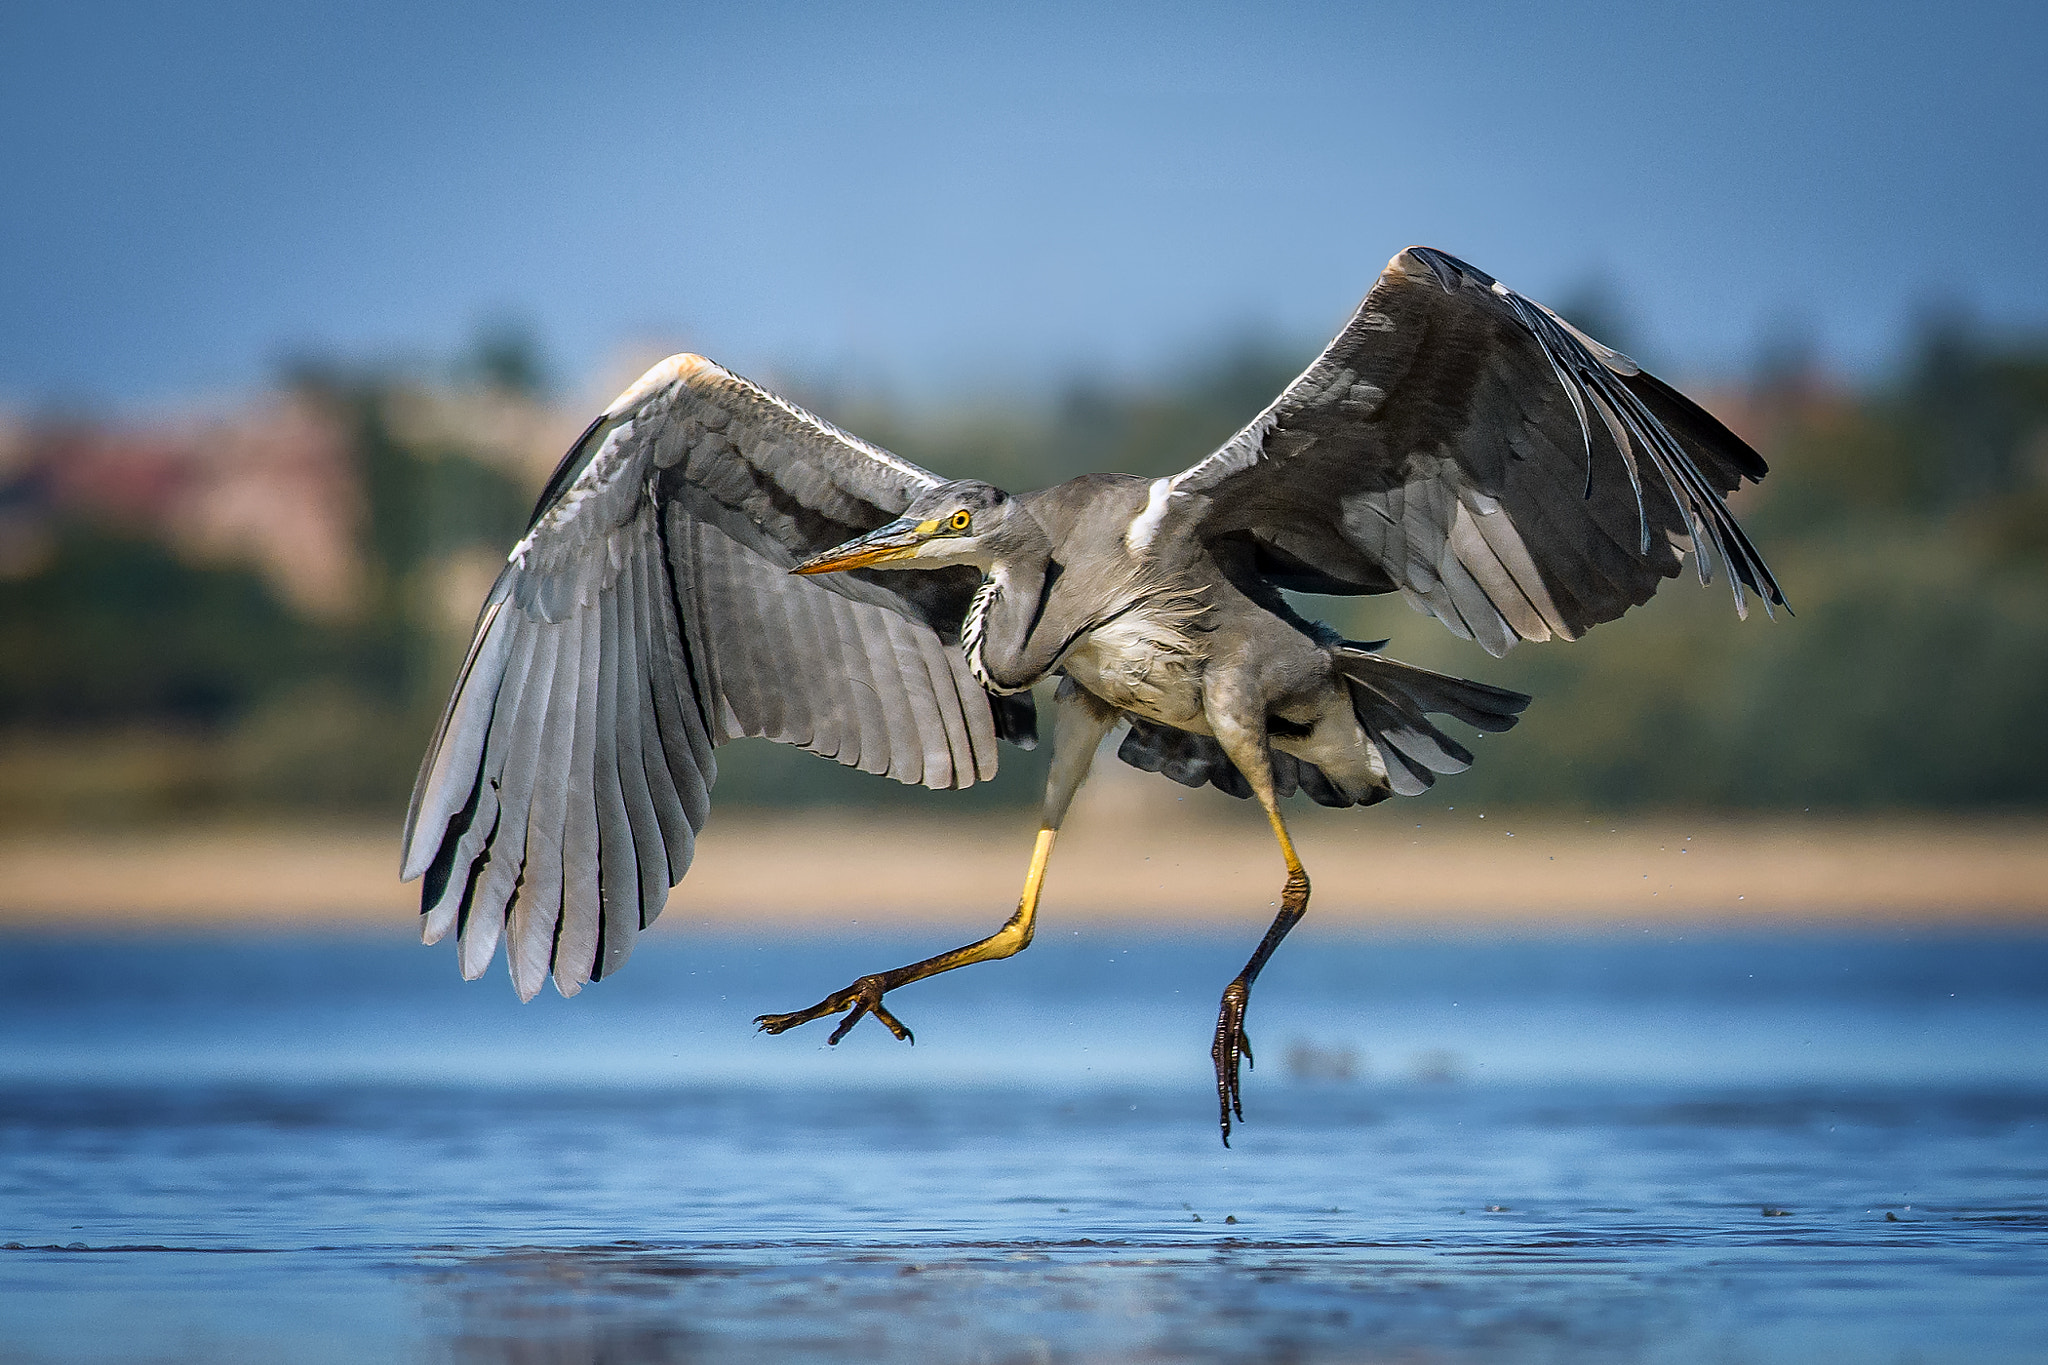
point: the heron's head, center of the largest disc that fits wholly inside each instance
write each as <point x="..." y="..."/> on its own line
<point x="962" y="522"/>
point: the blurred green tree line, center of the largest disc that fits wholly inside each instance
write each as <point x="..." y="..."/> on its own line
<point x="1908" y="522"/>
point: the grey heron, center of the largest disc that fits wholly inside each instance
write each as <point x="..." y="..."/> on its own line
<point x="710" y="562"/>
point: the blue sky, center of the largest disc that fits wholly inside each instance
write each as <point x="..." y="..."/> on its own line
<point x="952" y="200"/>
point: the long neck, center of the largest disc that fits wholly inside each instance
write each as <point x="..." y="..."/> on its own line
<point x="997" y="635"/>
<point x="1004" y="637"/>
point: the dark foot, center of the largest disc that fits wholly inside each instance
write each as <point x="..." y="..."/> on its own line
<point x="1231" y="1044"/>
<point x="862" y="997"/>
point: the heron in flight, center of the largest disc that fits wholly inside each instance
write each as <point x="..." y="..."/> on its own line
<point x="711" y="562"/>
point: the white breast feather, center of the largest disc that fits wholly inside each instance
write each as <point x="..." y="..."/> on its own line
<point x="1145" y="658"/>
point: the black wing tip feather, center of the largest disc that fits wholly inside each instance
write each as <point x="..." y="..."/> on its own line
<point x="1742" y="459"/>
<point x="1637" y="410"/>
<point x="1644" y="446"/>
<point x="572" y="463"/>
<point x="1704" y="430"/>
<point x="1448" y="268"/>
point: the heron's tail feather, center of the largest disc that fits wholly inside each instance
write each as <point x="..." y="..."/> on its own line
<point x="1197" y="760"/>
<point x="1393" y="701"/>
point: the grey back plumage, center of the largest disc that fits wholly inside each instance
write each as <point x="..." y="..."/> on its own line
<point x="648" y="617"/>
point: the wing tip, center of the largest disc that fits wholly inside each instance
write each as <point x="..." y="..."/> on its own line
<point x="1447" y="270"/>
<point x="684" y="367"/>
<point x="413" y="859"/>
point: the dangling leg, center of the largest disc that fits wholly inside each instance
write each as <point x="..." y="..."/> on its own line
<point x="1247" y="749"/>
<point x="1080" y="725"/>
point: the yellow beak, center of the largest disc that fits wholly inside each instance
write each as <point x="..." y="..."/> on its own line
<point x="883" y="545"/>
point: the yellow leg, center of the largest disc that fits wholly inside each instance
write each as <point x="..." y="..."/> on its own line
<point x="1294" y="869"/>
<point x="1082" y="724"/>
<point x="865" y="995"/>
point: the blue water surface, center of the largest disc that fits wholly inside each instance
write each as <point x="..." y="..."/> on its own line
<point x="1677" y="1145"/>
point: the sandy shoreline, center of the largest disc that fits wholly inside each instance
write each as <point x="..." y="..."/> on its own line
<point x="1145" y="861"/>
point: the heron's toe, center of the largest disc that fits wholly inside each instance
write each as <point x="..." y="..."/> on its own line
<point x="782" y="1023"/>
<point x="862" y="998"/>
<point x="1232" y="1046"/>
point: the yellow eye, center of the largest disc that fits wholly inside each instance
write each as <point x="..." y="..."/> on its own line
<point x="960" y="521"/>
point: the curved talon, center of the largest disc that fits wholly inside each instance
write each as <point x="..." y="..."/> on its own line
<point x="892" y="1023"/>
<point x="853" y="1015"/>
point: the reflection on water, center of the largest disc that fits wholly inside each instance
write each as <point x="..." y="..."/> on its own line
<point x="1827" y="1149"/>
<point x="1043" y="1301"/>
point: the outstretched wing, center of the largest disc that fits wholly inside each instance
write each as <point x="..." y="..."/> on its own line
<point x="1468" y="448"/>
<point x="648" y="617"/>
